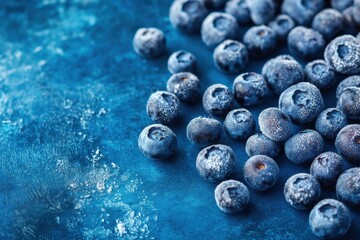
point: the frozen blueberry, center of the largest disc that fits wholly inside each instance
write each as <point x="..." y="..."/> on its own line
<point x="230" y="56"/>
<point x="319" y="73"/>
<point x="187" y="15"/>
<point x="181" y="61"/>
<point x="329" y="23"/>
<point x="282" y="25"/>
<point x="329" y="219"/>
<point x="215" y="163"/>
<point x="282" y="72"/>
<point x="304" y="146"/>
<point x="261" y="172"/>
<point x="275" y="124"/>
<point x="343" y="54"/>
<point x="302" y="191"/>
<point x="302" y="11"/>
<point x="352" y="81"/>
<point x="347" y="143"/>
<point x="260" y="41"/>
<point x="348" y="187"/>
<point x="239" y="124"/>
<point x="341" y="5"/>
<point x="218" y="27"/>
<point x="214" y="4"/>
<point x="231" y="196"/>
<point x="218" y="100"/>
<point x="261" y="11"/>
<point x="163" y="107"/>
<point x="302" y="102"/>
<point x="330" y="122"/>
<point x="203" y="131"/>
<point x="352" y="19"/>
<point x="157" y="141"/>
<point x="240" y="10"/>
<point x="185" y="85"/>
<point x="306" y="43"/>
<point x="349" y="102"/>
<point x="149" y="42"/>
<point x="250" y="89"/>
<point x="259" y="144"/>
<point x="327" y="168"/>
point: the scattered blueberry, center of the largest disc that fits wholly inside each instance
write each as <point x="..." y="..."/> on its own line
<point x="149" y="42"/>
<point x="203" y="131"/>
<point x="319" y="73"/>
<point x="261" y="11"/>
<point x="352" y="81"/>
<point x="259" y="144"/>
<point x="231" y="196"/>
<point x="181" y="61"/>
<point x="218" y="100"/>
<point x="341" y="5"/>
<point x="302" y="11"/>
<point x="329" y="22"/>
<point x="230" y="56"/>
<point x="330" y="122"/>
<point x="352" y="19"/>
<point x="239" y="124"/>
<point x="163" y="107"/>
<point x="275" y="124"/>
<point x="347" y="143"/>
<point x="348" y="187"/>
<point x="282" y="25"/>
<point x="185" y="85"/>
<point x="240" y="10"/>
<point x="327" y="168"/>
<point x="261" y="41"/>
<point x="349" y="102"/>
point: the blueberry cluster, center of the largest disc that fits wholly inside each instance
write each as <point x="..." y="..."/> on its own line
<point x="316" y="31"/>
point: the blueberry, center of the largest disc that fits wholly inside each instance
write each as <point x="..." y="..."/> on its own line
<point x="181" y="61"/>
<point x="240" y="10"/>
<point x="330" y="122"/>
<point x="218" y="100"/>
<point x="304" y="146"/>
<point x="347" y="143"/>
<point x="157" y="141"/>
<point x="261" y="172"/>
<point x="282" y="25"/>
<point x="230" y="56"/>
<point x="319" y="73"/>
<point x="302" y="191"/>
<point x="302" y="102"/>
<point x="163" y="107"/>
<point x="327" y="168"/>
<point x="275" y="124"/>
<point x="239" y="124"/>
<point x="341" y="5"/>
<point x="261" y="11"/>
<point x="282" y="72"/>
<point x="259" y="144"/>
<point x="231" y="196"/>
<point x="261" y="41"/>
<point x="306" y="43"/>
<point x="302" y="11"/>
<point x="329" y="219"/>
<point x="149" y="42"/>
<point x="214" y="4"/>
<point x="218" y="27"/>
<point x="187" y="15"/>
<point x="352" y="19"/>
<point x="203" y="131"/>
<point x="348" y="187"/>
<point x="185" y="85"/>
<point x="349" y="102"/>
<point x="352" y="81"/>
<point x="250" y="89"/>
<point x="329" y="23"/>
<point x="215" y="163"/>
<point x="343" y="54"/>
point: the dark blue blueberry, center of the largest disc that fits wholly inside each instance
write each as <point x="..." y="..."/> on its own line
<point x="149" y="42"/>
<point x="261" y="41"/>
<point x="275" y="124"/>
<point x="203" y="131"/>
<point x="304" y="146"/>
<point x="231" y="196"/>
<point x="347" y="143"/>
<point x="330" y="122"/>
<point x="157" y="141"/>
<point x="319" y="73"/>
<point x="218" y="100"/>
<point x="185" y="85"/>
<point x="262" y="11"/>
<point x="282" y="25"/>
<point x="187" y="15"/>
<point x="230" y="56"/>
<point x="240" y="10"/>
<point x="329" y="23"/>
<point x="352" y="81"/>
<point x="282" y="72"/>
<point x="215" y="163"/>
<point x="163" y="107"/>
<point x="352" y="19"/>
<point x="302" y="11"/>
<point x="327" y="168"/>
<point x="341" y="5"/>
<point x="214" y="4"/>
<point x="343" y="54"/>
<point x="302" y="191"/>
<point x="218" y="27"/>
<point x="306" y="43"/>
<point x="250" y="89"/>
<point x="239" y="124"/>
<point x="261" y="172"/>
<point x="302" y="102"/>
<point x="259" y="144"/>
<point x="349" y="102"/>
<point x="181" y="61"/>
<point x="329" y="219"/>
<point x="348" y="187"/>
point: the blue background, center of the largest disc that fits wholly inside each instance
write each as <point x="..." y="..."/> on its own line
<point x="72" y="104"/>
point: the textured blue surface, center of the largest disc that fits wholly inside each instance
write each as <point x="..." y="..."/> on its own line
<point x="72" y="103"/>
